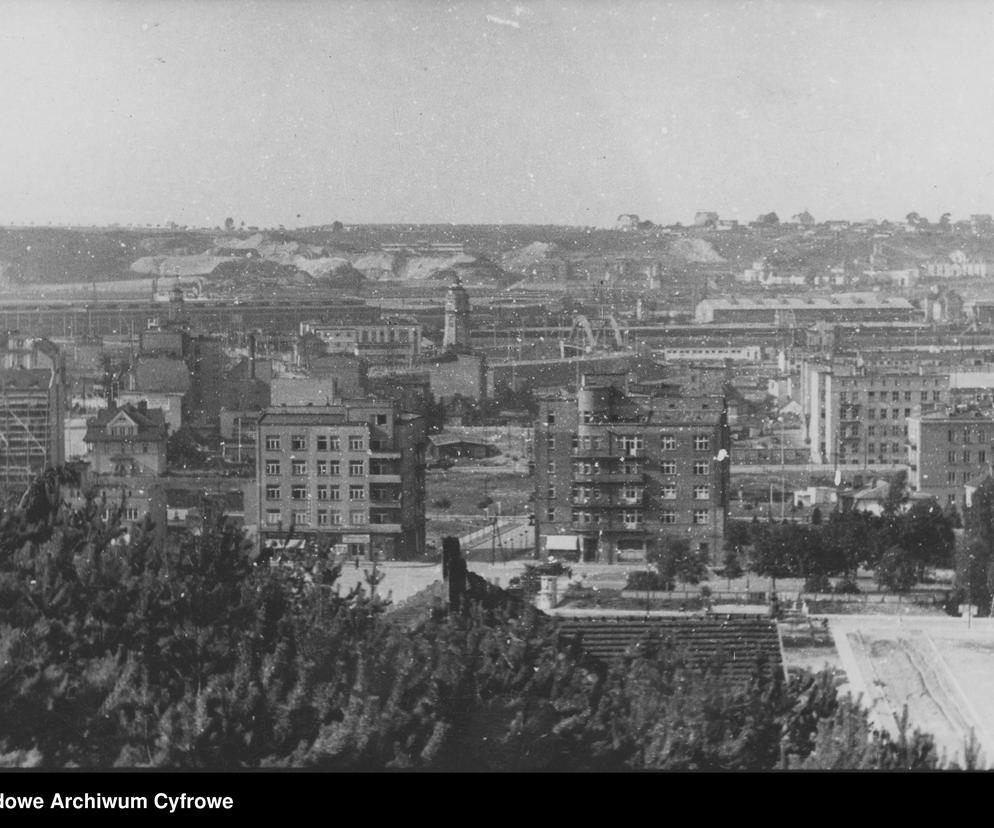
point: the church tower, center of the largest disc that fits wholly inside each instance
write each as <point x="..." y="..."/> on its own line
<point x="456" y="336"/>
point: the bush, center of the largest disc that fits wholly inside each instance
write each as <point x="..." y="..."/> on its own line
<point x="529" y="580"/>
<point x="647" y="581"/>
<point x="441" y="503"/>
<point x="846" y="587"/>
<point x="817" y="583"/>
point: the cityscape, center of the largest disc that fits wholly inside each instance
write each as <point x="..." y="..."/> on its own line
<point x="418" y="482"/>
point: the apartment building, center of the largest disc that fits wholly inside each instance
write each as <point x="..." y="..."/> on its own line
<point x="856" y="411"/>
<point x="349" y="474"/>
<point x="32" y="411"/>
<point x="950" y="454"/>
<point x="385" y="343"/>
<point x="617" y="471"/>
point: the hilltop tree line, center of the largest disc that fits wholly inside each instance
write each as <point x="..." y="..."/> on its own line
<point x="118" y="650"/>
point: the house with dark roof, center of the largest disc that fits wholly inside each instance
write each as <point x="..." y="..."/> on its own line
<point x="127" y="440"/>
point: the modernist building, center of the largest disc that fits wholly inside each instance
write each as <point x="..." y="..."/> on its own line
<point x="790" y="311"/>
<point x="950" y="454"/>
<point x="615" y="471"/>
<point x="856" y="411"/>
<point x="32" y="411"/>
<point x="349" y="474"/>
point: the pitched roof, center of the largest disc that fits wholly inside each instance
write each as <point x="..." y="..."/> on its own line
<point x="151" y="424"/>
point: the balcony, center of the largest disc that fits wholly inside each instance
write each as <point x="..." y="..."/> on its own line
<point x="383" y="478"/>
<point x="383" y="528"/>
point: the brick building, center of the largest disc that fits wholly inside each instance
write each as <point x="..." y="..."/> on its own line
<point x="950" y="454"/>
<point x="349" y="474"/>
<point x="615" y="471"/>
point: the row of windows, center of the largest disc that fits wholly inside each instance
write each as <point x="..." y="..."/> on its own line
<point x="324" y="492"/>
<point x="871" y="448"/>
<point x="895" y="413"/>
<point x="667" y="442"/>
<point x="981" y="456"/>
<point x="967" y="435"/>
<point x="700" y="468"/>
<point x="298" y="442"/>
<point x="951" y="477"/>
<point x="633" y="519"/>
<point x="666" y="492"/>
<point x="325" y="517"/>
<point x="324" y="468"/>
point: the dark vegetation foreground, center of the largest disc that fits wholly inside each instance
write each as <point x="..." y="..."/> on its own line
<point x="120" y="651"/>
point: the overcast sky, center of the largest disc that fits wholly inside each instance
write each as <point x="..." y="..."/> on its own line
<point x="476" y="112"/>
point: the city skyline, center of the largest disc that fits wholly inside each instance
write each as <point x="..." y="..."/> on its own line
<point x="303" y="113"/>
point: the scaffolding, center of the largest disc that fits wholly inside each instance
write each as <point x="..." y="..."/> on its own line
<point x="25" y="436"/>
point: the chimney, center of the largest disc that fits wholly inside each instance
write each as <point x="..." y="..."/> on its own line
<point x="453" y="571"/>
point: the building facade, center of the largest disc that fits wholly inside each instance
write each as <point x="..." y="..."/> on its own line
<point x="32" y="411"/>
<point x="857" y="412"/>
<point x="349" y="475"/>
<point x="617" y="472"/>
<point x="950" y="454"/>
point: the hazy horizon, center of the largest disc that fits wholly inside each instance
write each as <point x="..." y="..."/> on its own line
<point x="302" y="113"/>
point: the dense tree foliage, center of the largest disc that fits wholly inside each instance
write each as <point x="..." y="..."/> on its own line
<point x="122" y="651"/>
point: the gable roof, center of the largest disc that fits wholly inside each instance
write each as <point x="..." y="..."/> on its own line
<point x="151" y="424"/>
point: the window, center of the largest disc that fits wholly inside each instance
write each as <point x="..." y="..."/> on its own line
<point x="667" y="442"/>
<point x="551" y="493"/>
<point x="272" y="492"/>
<point x="131" y="513"/>
<point x="355" y="443"/>
<point x="872" y="396"/>
<point x="273" y="517"/>
<point x="322" y="445"/>
<point x="550" y="419"/>
<point x="895" y="395"/>
<point x="300" y="518"/>
<point x="357" y="493"/>
<point x="895" y="413"/>
<point x="550" y="468"/>
<point x="667" y="516"/>
<point x="701" y="516"/>
<point x="981" y="457"/>
<point x="357" y="518"/>
<point x="936" y="396"/>
<point x="631" y="493"/>
<point x="966" y="436"/>
<point x="298" y="467"/>
<point x="871" y="431"/>
<point x="895" y="447"/>
<point x="273" y="442"/>
<point x="550" y="514"/>
<point x="381" y="419"/>
<point x="907" y="396"/>
<point x="298" y="442"/>
<point x="883" y="413"/>
<point x="701" y="467"/>
<point x="322" y="491"/>
<point x="702" y="442"/>
<point x="574" y="442"/>
<point x="334" y="443"/>
<point x="907" y="412"/>
<point x="871" y="448"/>
<point x="322" y="468"/>
<point x="298" y="492"/>
<point x="357" y="468"/>
<point x="702" y="492"/>
<point x="322" y="517"/>
<point x="966" y="477"/>
<point x="334" y="468"/>
<point x="966" y="456"/>
<point x="335" y="518"/>
<point x="951" y="457"/>
<point x="632" y="518"/>
<point x="272" y="467"/>
<point x="668" y="492"/>
<point x="872" y="412"/>
<point x="633" y="446"/>
<point x="667" y="467"/>
<point x="334" y="493"/>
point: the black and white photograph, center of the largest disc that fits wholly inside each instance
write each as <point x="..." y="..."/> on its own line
<point x="491" y="386"/>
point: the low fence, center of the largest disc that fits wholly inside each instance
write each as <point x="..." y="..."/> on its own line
<point x="716" y="596"/>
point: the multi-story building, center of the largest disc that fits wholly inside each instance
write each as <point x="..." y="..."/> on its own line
<point x="32" y="411"/>
<point x="385" y="343"/>
<point x="349" y="474"/>
<point x="616" y="471"/>
<point x="126" y="453"/>
<point x="792" y="310"/>
<point x="950" y="454"/>
<point x="856" y="411"/>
